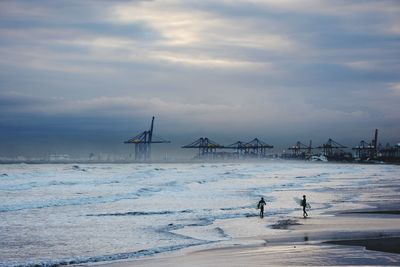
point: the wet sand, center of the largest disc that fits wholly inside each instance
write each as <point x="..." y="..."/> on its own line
<point x="396" y="212"/>
<point x="300" y="255"/>
<point x="389" y="244"/>
<point x="362" y="238"/>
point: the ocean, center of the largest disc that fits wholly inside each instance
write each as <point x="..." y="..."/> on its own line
<point x="91" y="213"/>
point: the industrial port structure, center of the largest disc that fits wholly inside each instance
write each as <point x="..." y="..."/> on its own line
<point x="333" y="151"/>
<point x="208" y="149"/>
<point x="329" y="151"/>
<point x="366" y="150"/>
<point x="143" y="142"/>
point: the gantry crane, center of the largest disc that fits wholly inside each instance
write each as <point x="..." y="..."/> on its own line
<point x="300" y="150"/>
<point x="206" y="146"/>
<point x="143" y="143"/>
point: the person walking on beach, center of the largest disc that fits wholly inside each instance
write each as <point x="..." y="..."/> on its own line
<point x="261" y="205"/>
<point x="304" y="205"/>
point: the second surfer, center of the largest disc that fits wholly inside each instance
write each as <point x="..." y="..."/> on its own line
<point x="304" y="205"/>
<point x="261" y="205"/>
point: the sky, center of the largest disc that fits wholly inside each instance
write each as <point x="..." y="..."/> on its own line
<point x="84" y="76"/>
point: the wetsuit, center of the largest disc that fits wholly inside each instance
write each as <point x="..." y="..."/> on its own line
<point x="261" y="204"/>
<point x="304" y="204"/>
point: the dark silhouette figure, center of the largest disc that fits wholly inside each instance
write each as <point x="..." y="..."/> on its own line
<point x="304" y="205"/>
<point x="261" y="205"/>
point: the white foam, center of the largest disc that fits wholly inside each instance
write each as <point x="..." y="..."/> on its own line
<point x="137" y="207"/>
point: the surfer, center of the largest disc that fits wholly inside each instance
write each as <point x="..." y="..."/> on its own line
<point x="304" y="205"/>
<point x="261" y="205"/>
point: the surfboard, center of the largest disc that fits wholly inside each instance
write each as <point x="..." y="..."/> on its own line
<point x="259" y="206"/>
<point x="299" y="201"/>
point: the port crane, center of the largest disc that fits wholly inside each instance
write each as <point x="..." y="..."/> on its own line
<point x="143" y="142"/>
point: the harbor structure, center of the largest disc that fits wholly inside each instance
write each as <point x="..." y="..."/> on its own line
<point x="367" y="151"/>
<point x="143" y="142"/>
<point x="300" y="151"/>
<point x="208" y="148"/>
<point x="334" y="151"/>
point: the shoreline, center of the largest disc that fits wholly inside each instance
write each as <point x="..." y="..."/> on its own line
<point x="384" y="244"/>
<point x="337" y="239"/>
<point x="191" y="161"/>
<point x="152" y="214"/>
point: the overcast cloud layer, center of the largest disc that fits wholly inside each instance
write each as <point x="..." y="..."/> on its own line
<point x="94" y="72"/>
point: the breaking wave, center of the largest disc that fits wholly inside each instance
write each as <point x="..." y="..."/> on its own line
<point x="140" y="213"/>
<point x="102" y="258"/>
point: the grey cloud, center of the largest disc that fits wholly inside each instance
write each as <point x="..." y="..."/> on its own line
<point x="277" y="112"/>
<point x="278" y="69"/>
<point x="14" y="102"/>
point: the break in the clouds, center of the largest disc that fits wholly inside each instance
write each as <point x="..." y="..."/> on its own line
<point x="279" y="69"/>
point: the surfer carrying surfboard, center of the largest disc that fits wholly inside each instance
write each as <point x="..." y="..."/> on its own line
<point x="304" y="205"/>
<point x="260" y="206"/>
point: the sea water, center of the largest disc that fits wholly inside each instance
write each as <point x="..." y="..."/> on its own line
<point x="87" y="213"/>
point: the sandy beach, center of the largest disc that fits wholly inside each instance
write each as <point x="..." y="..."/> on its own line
<point x="349" y="238"/>
<point x="199" y="215"/>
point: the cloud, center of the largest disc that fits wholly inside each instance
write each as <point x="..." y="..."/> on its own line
<point x="279" y="113"/>
<point x="200" y="35"/>
<point x="224" y="67"/>
<point x="395" y="88"/>
<point x="17" y="100"/>
<point x="181" y="25"/>
<point x="23" y="9"/>
<point x="361" y="65"/>
<point x="17" y="103"/>
<point x="334" y="8"/>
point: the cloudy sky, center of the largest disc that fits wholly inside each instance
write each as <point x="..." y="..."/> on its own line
<point x="86" y="75"/>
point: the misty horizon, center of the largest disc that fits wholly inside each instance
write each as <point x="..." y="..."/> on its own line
<point x="102" y="145"/>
